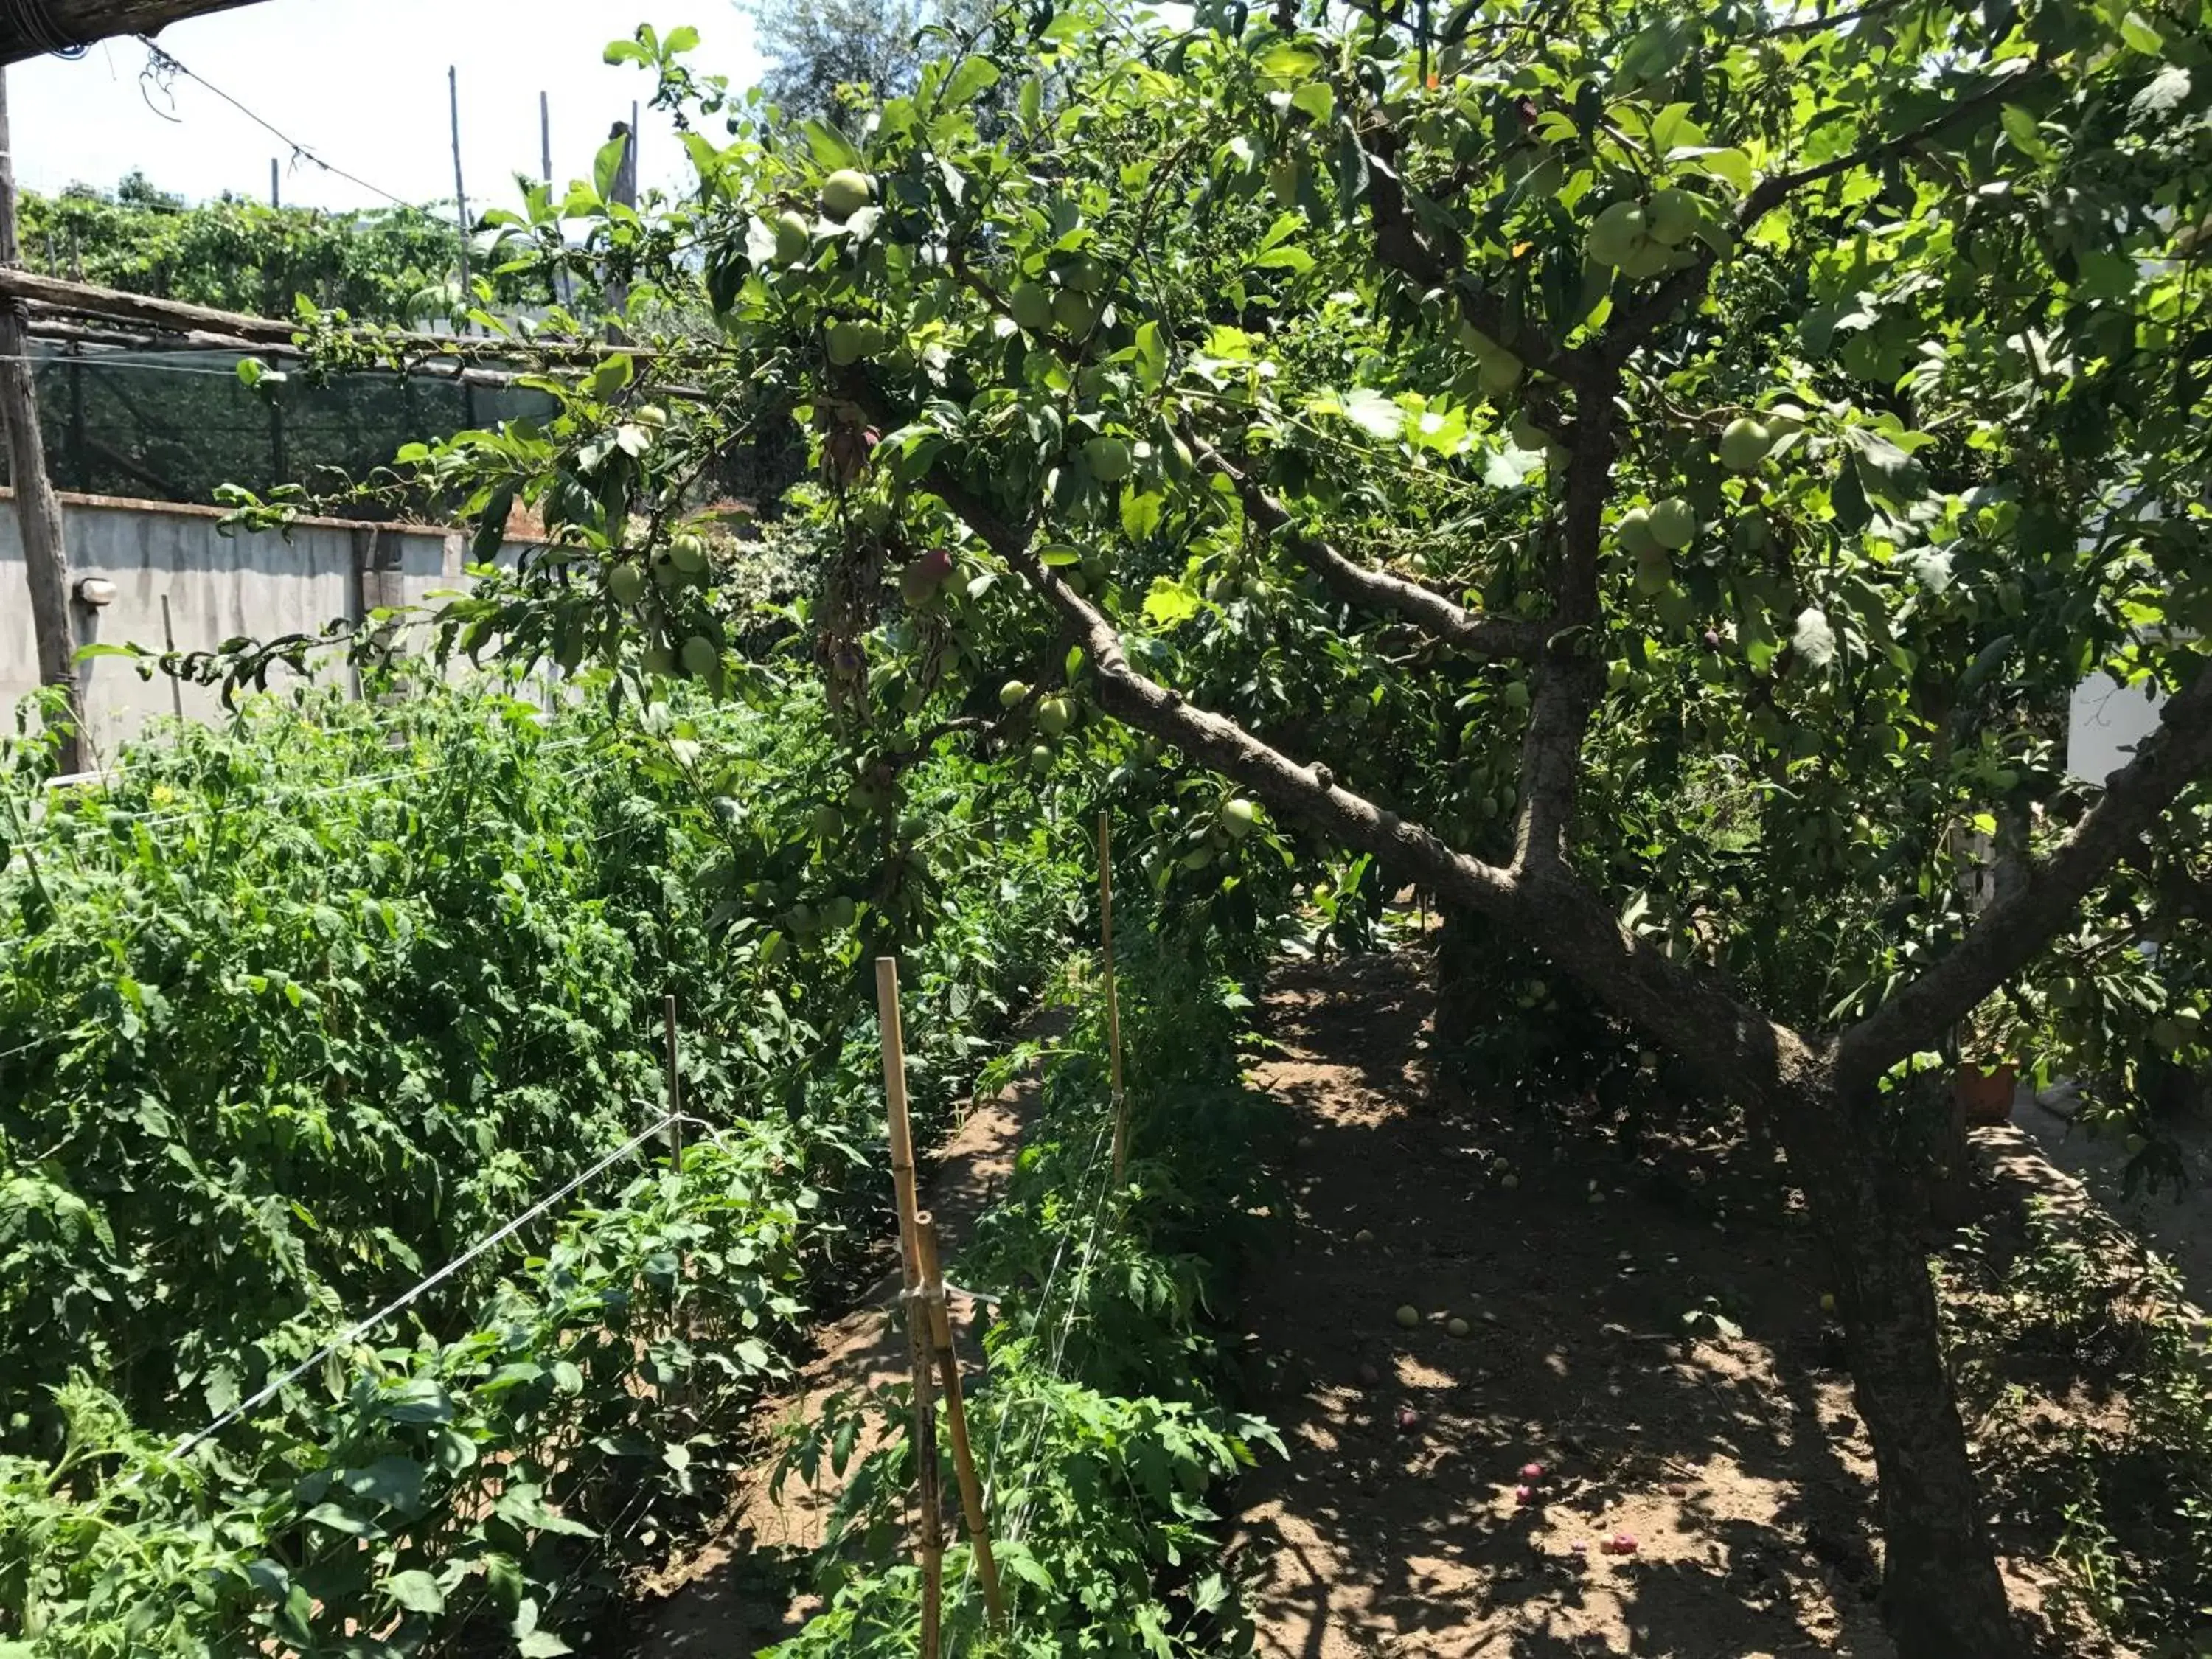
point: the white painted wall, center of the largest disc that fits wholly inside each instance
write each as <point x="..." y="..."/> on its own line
<point x="2104" y="725"/>
<point x="219" y="588"/>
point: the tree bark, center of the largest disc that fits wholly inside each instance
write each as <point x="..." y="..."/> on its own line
<point x="1941" y="1596"/>
<point x="38" y="509"/>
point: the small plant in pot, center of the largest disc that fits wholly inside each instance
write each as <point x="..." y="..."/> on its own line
<point x="1988" y="1070"/>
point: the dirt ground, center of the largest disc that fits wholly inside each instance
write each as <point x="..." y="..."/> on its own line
<point x="1652" y="1339"/>
<point x="1733" y="1463"/>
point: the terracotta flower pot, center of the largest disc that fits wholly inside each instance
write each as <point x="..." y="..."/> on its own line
<point x="1984" y="1093"/>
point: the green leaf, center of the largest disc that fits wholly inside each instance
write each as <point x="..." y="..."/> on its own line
<point x="1316" y="98"/>
<point x="1286" y="61"/>
<point x="394" y="1482"/>
<point x="344" y="1521"/>
<point x="968" y="81"/>
<point x="831" y="147"/>
<point x="491" y="528"/>
<point x="542" y="1644"/>
<point x="2136" y="31"/>
<point x="1731" y="167"/>
<point x="2019" y="128"/>
<point x="1142" y="513"/>
<point x="415" y="1590"/>
<point x="1169" y="603"/>
<point x="612" y="375"/>
<point x="606" y="166"/>
<point x="1151" y="357"/>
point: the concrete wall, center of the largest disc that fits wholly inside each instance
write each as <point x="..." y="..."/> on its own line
<point x="219" y="588"/>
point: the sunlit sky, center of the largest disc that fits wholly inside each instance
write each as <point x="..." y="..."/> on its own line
<point x="361" y="82"/>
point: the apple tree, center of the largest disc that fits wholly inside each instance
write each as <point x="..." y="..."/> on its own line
<point x="1651" y="476"/>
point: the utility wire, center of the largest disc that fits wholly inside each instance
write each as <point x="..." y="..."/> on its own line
<point x="163" y="66"/>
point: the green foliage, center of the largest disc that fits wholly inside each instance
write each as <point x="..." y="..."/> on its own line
<point x="294" y="1012"/>
<point x="2085" y="1372"/>
<point x="1140" y="387"/>
<point x="1845" y="654"/>
<point x="380" y="266"/>
<point x="1101" y="1416"/>
<point x="833" y="59"/>
<point x="502" y="1477"/>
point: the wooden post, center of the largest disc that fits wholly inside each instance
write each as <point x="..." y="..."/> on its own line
<point x="1113" y="998"/>
<point x="675" y="1080"/>
<point x="45" y="556"/>
<point x="895" y="1103"/>
<point x="169" y="644"/>
<point x="625" y="195"/>
<point x="460" y="189"/>
<point x="956" y="1420"/>
<point x="927" y="1495"/>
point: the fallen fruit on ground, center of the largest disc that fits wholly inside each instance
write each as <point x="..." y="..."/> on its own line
<point x="1408" y="1316"/>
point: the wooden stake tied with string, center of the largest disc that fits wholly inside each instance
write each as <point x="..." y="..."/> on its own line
<point x="956" y="1419"/>
<point x="928" y="1497"/>
<point x="1113" y="1001"/>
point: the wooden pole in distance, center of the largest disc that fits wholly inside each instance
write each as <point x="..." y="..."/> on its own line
<point x="460" y="192"/>
<point x="956" y="1419"/>
<point x="675" y="1080"/>
<point x="927" y="1495"/>
<point x="169" y="642"/>
<point x="38" y="509"/>
<point x="1113" y="998"/>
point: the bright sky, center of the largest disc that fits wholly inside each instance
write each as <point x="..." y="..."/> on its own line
<point x="362" y="83"/>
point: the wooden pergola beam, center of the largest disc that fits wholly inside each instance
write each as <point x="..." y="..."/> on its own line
<point x="46" y="26"/>
<point x="58" y="296"/>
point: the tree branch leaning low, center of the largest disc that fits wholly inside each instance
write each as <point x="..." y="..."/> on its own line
<point x="1652" y="480"/>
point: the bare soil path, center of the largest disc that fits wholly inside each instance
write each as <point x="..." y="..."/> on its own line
<point x="1733" y="1462"/>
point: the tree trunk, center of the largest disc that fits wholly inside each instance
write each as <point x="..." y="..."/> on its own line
<point x="1942" y="1596"/>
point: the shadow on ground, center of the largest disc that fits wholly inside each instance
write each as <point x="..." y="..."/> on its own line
<point x="1727" y="1452"/>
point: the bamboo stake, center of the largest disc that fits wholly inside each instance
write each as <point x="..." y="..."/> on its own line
<point x="675" y="1075"/>
<point x="902" y="1133"/>
<point x="1113" y="1000"/>
<point x="169" y="641"/>
<point x="930" y="1544"/>
<point x="956" y="1420"/>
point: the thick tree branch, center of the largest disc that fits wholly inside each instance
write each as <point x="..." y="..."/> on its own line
<point x="1569" y="680"/>
<point x="1399" y="244"/>
<point x="1743" y="1051"/>
<point x="1370" y="589"/>
<point x="2013" y="929"/>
